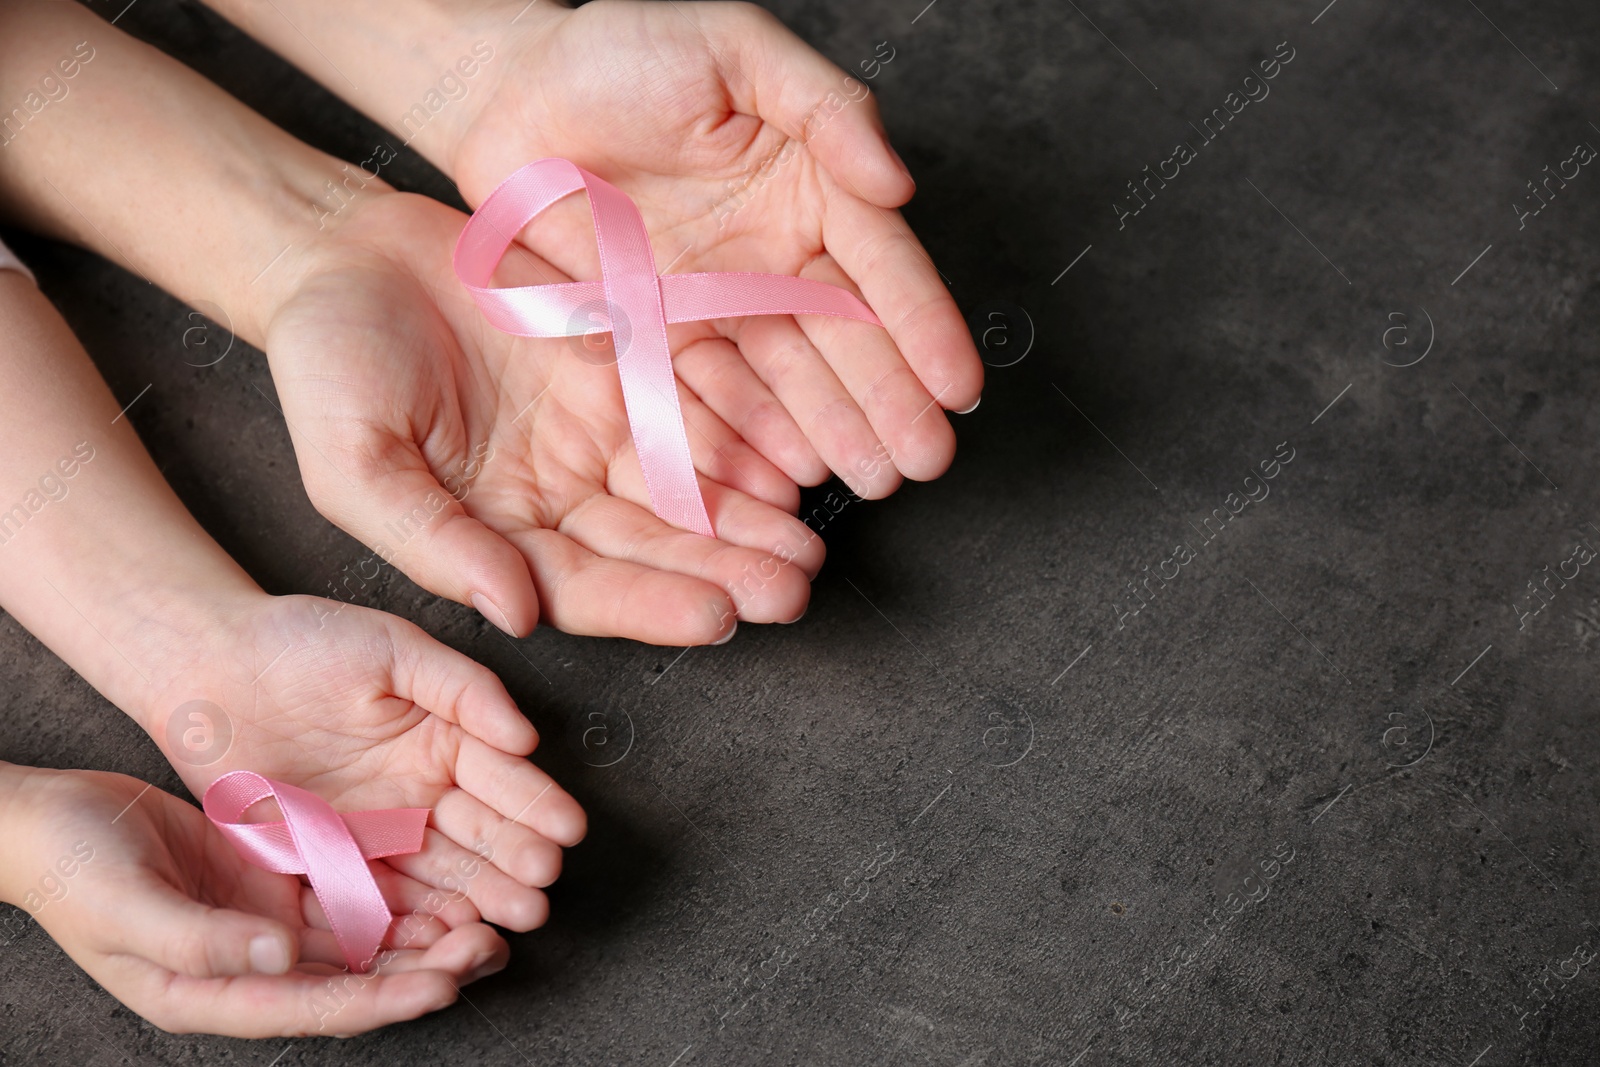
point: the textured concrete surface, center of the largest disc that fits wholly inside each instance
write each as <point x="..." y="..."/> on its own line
<point x="1320" y="800"/>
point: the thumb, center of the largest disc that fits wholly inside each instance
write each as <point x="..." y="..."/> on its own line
<point x="172" y="931"/>
<point x="773" y="74"/>
<point x="355" y="428"/>
<point x="393" y="504"/>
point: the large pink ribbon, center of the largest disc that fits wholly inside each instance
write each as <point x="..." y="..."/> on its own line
<point x="330" y="849"/>
<point x="635" y="304"/>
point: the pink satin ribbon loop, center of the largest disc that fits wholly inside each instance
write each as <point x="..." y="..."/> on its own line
<point x="631" y="291"/>
<point x="329" y="849"/>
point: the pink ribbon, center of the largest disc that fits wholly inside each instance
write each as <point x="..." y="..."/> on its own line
<point x="635" y="304"/>
<point x="329" y="849"/>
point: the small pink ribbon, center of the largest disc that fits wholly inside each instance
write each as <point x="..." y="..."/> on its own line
<point x="635" y="304"/>
<point x="330" y="849"/>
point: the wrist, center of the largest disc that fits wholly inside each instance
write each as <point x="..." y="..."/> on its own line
<point x="17" y="813"/>
<point x="113" y="575"/>
<point x="183" y="636"/>
<point x="312" y="200"/>
<point x="421" y="69"/>
<point x="284" y="205"/>
<point x="502" y="34"/>
<point x="13" y="790"/>
<point x="221" y="194"/>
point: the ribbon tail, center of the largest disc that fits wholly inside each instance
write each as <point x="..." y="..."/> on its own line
<point x="644" y="359"/>
<point x="338" y="874"/>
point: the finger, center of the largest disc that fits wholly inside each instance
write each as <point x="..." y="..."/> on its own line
<point x="583" y="593"/>
<point x="289" y="1005"/>
<point x="908" y="419"/>
<point x="778" y="77"/>
<point x="418" y="906"/>
<point x="386" y="497"/>
<point x="181" y="935"/>
<point x="361" y="455"/>
<point x="422" y="913"/>
<point x="739" y="519"/>
<point x="465" y="954"/>
<point x="530" y="858"/>
<point x="319" y="948"/>
<point x="457" y="688"/>
<point x="780" y="352"/>
<point x="499" y="898"/>
<point x="521" y="792"/>
<point x="459" y="953"/>
<point x="715" y="370"/>
<point x="720" y="454"/>
<point x="896" y="277"/>
<point x="723" y="456"/>
<point x="762" y="586"/>
<point x="756" y="526"/>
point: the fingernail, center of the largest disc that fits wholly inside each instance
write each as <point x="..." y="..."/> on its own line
<point x="797" y="618"/>
<point x="491" y="611"/>
<point x="482" y="968"/>
<point x="973" y="408"/>
<point x="268" y="955"/>
<point x="725" y="638"/>
<point x="897" y="159"/>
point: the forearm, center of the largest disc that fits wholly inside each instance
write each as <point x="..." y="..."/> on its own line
<point x="109" y="144"/>
<point x="419" y="68"/>
<point x="98" y="557"/>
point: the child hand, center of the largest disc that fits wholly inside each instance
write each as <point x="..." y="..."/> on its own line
<point x="153" y="902"/>
<point x="367" y="711"/>
<point x="500" y="471"/>
<point x="745" y="150"/>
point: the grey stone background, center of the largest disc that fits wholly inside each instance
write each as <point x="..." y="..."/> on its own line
<point x="1334" y="694"/>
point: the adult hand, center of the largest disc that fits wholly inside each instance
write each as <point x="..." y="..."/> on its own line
<point x="500" y="471"/>
<point x="745" y="150"/>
